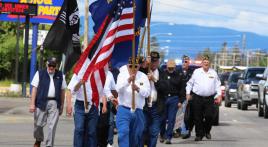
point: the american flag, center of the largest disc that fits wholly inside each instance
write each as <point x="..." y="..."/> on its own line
<point x="93" y="63"/>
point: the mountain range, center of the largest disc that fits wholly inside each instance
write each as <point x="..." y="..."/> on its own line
<point x="179" y="39"/>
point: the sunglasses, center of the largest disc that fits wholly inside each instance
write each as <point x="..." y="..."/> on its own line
<point x="186" y="61"/>
<point x="171" y="68"/>
<point x="49" y="65"/>
<point x="135" y="66"/>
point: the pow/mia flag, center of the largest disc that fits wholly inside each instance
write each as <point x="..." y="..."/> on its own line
<point x="63" y="35"/>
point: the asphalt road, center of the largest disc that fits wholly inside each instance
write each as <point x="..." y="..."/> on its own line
<point x="237" y="128"/>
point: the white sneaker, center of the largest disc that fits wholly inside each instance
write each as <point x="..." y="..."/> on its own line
<point x="109" y="145"/>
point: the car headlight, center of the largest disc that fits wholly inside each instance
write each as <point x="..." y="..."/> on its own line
<point x="232" y="90"/>
<point x="246" y="87"/>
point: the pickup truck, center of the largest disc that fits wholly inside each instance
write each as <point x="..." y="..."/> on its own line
<point x="247" y="91"/>
<point x="263" y="94"/>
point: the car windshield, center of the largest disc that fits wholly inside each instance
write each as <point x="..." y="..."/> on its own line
<point x="224" y="77"/>
<point x="234" y="77"/>
<point x="252" y="74"/>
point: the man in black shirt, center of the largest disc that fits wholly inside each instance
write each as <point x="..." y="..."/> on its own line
<point x="169" y="84"/>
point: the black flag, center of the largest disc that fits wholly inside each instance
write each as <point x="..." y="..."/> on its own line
<point x="64" y="34"/>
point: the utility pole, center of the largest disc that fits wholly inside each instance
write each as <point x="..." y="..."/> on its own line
<point x="86" y="26"/>
<point x="244" y="47"/>
<point x="17" y="50"/>
<point x="215" y="62"/>
<point x="247" y="63"/>
<point x="25" y="58"/>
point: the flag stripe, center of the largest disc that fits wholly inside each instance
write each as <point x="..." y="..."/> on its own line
<point x="95" y="39"/>
<point x="94" y="64"/>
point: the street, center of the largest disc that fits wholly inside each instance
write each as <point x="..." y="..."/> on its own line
<point x="237" y="128"/>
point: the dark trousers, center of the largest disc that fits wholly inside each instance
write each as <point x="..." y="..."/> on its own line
<point x="152" y="126"/>
<point x="111" y="124"/>
<point x="188" y="116"/>
<point x="203" y="110"/>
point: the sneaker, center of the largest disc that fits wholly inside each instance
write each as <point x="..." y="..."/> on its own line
<point x="176" y="135"/>
<point x="162" y="139"/>
<point x="208" y="136"/>
<point x="109" y="145"/>
<point x="198" y="138"/>
<point x="168" y="141"/>
<point x="37" y="143"/>
<point x="186" y="136"/>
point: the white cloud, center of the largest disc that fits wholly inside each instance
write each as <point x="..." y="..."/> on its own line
<point x="242" y="15"/>
<point x="250" y="16"/>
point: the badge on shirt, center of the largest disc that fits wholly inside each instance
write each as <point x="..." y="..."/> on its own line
<point x="210" y="76"/>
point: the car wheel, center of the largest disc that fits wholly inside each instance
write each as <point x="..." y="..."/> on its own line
<point x="260" y="109"/>
<point x="244" y="106"/>
<point x="227" y="102"/>
<point x="265" y="108"/>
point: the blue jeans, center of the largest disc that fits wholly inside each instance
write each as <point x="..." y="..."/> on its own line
<point x="153" y="121"/>
<point x="85" y="126"/>
<point x="183" y="127"/>
<point x="111" y="124"/>
<point x="169" y="117"/>
<point x="130" y="127"/>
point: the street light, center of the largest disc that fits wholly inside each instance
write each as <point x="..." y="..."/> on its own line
<point x="161" y="41"/>
<point x="163" y="23"/>
<point x="161" y="34"/>
<point x="165" y="47"/>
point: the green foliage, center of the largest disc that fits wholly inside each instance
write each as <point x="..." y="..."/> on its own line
<point x="7" y="49"/>
<point x="5" y="83"/>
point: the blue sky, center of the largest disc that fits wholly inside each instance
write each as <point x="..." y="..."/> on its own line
<point x="241" y="15"/>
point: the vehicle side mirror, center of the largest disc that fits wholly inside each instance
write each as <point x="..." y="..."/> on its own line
<point x="241" y="77"/>
<point x="260" y="76"/>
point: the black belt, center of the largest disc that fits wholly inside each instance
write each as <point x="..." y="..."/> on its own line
<point x="51" y="98"/>
<point x="171" y="95"/>
<point x="206" y="97"/>
<point x="81" y="102"/>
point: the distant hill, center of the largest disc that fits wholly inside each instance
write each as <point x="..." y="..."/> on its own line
<point x="191" y="39"/>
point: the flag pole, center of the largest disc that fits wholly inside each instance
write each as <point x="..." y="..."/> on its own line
<point x="133" y="107"/>
<point x="149" y="39"/>
<point x="142" y="41"/>
<point x="85" y="46"/>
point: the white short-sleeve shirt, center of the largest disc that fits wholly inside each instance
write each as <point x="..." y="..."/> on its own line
<point x="51" y="90"/>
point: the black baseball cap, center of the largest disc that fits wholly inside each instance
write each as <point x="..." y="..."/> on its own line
<point x="52" y="61"/>
<point x="154" y="56"/>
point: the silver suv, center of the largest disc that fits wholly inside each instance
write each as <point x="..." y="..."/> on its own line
<point x="247" y="91"/>
<point x="263" y="94"/>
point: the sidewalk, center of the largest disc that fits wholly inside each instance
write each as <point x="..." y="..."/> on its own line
<point x="16" y="125"/>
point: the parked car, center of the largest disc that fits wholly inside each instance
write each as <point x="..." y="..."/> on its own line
<point x="223" y="78"/>
<point x="231" y="89"/>
<point x="263" y="94"/>
<point x="248" y="87"/>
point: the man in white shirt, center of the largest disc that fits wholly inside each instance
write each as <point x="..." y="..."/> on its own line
<point x="130" y="124"/>
<point x="81" y="118"/>
<point x="205" y="86"/>
<point x="109" y="101"/>
<point x="47" y="101"/>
